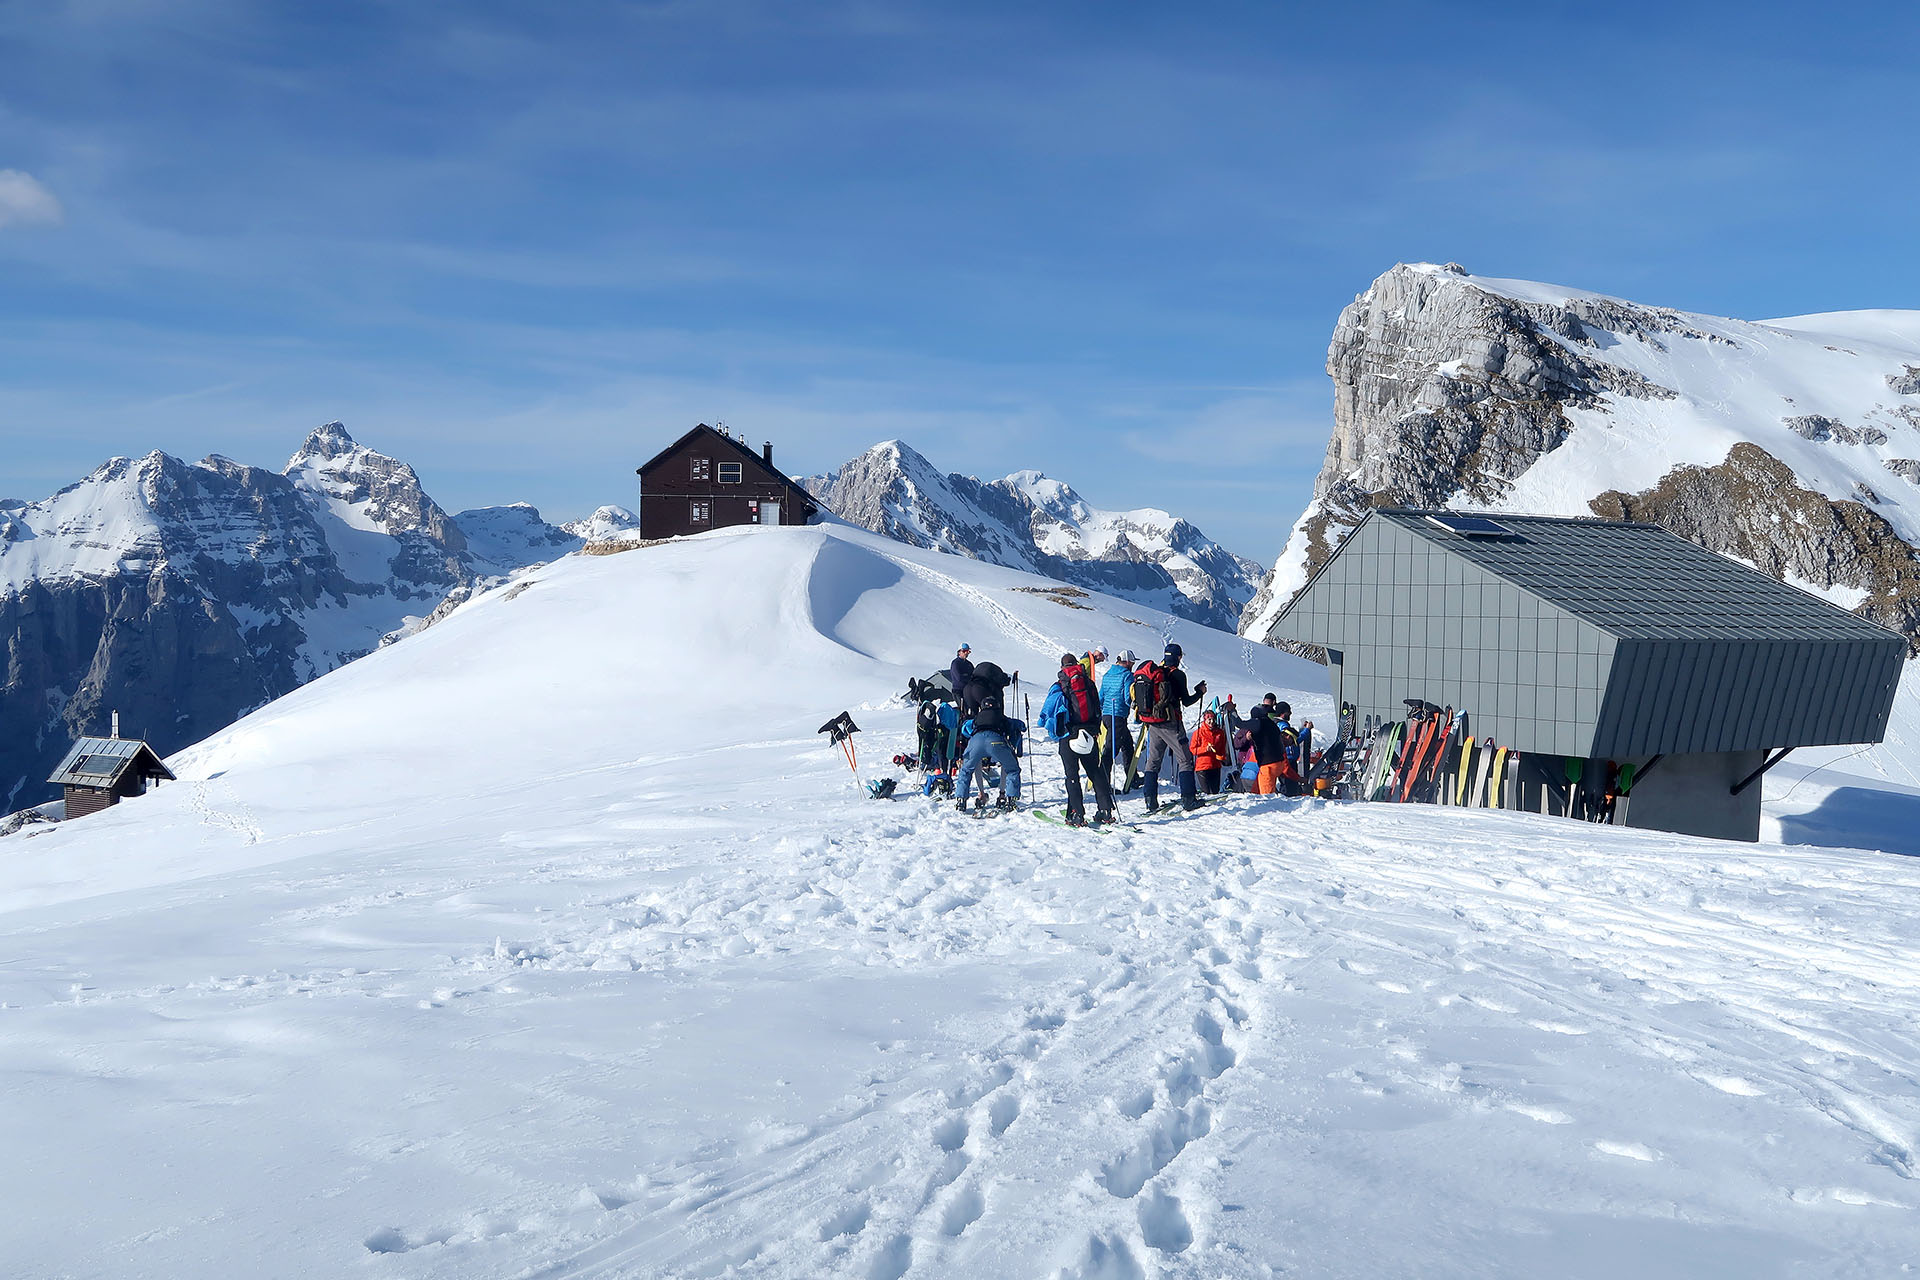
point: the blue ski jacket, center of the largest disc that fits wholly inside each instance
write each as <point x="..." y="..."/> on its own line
<point x="1116" y="691"/>
<point x="1053" y="713"/>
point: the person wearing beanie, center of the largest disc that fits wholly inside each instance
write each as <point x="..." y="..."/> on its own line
<point x="1116" y="702"/>
<point x="1166" y="731"/>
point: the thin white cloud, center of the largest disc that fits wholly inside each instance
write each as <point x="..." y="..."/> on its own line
<point x="25" y="202"/>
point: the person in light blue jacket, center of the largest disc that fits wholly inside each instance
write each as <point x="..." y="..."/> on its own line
<point x="1116" y="703"/>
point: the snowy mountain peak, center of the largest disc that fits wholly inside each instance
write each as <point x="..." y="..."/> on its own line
<point x="184" y="594"/>
<point x="1033" y="522"/>
<point x="368" y="490"/>
<point x="605" y="523"/>
<point x="329" y="440"/>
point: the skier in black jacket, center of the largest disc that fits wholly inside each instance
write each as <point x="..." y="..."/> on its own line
<point x="1167" y="733"/>
<point x="960" y="670"/>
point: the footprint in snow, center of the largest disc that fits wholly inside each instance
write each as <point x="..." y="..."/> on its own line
<point x="850" y="1221"/>
<point x="1163" y="1222"/>
<point x="962" y="1211"/>
<point x="951" y="1134"/>
<point x="1002" y="1112"/>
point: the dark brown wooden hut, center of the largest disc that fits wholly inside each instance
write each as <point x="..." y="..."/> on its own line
<point x="708" y="480"/>
<point x="101" y="772"/>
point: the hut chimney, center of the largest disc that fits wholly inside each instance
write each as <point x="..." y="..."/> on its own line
<point x="766" y="453"/>
<point x="116" y="724"/>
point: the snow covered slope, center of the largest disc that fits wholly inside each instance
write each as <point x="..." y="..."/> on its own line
<point x="553" y="941"/>
<point x="1791" y="444"/>
<point x="1030" y="522"/>
<point x="183" y="594"/>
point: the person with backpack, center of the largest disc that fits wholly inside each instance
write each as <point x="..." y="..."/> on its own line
<point x="1116" y="702"/>
<point x="1292" y="776"/>
<point x="1209" y="747"/>
<point x="933" y="737"/>
<point x="1071" y="714"/>
<point x="1269" y="750"/>
<point x="1159" y="696"/>
<point x="989" y="734"/>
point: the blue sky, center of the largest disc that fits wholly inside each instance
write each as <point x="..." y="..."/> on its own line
<point x="522" y="246"/>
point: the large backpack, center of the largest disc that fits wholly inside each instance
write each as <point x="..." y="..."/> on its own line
<point x="1149" y="693"/>
<point x="1083" y="704"/>
<point x="989" y="715"/>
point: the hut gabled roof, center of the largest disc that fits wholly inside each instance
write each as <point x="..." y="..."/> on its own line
<point x="101" y="762"/>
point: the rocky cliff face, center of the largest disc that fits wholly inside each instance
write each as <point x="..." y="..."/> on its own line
<point x="1030" y="522"/>
<point x="185" y="594"/>
<point x="1791" y="444"/>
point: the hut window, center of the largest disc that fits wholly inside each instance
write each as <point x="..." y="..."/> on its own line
<point x="702" y="512"/>
<point x="729" y="473"/>
<point x="699" y="468"/>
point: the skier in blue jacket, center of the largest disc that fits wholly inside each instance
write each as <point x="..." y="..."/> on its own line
<point x="1116" y="703"/>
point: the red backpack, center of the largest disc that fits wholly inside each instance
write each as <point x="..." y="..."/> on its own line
<point x="1083" y="707"/>
<point x="1149" y="692"/>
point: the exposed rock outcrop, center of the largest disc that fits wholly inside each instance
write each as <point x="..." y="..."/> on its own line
<point x="1753" y="508"/>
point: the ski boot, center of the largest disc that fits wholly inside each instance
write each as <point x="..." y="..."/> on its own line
<point x="1104" y="818"/>
<point x="960" y="805"/>
<point x="1005" y="804"/>
<point x="1150" y="784"/>
<point x="1189" y="793"/>
<point x="1076" y="818"/>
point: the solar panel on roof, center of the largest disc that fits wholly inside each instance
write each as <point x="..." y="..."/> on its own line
<point x="1471" y="526"/>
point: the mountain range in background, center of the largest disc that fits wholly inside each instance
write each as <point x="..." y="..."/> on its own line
<point x="183" y="595"/>
<point x="1792" y="445"/>
<point x="1030" y="522"/>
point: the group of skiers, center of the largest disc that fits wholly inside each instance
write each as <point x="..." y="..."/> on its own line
<point x="1090" y="716"/>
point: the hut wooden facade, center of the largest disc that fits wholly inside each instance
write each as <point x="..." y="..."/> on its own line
<point x="708" y="480"/>
<point x="101" y="772"/>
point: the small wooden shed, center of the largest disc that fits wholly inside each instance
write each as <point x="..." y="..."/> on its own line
<point x="101" y="772"/>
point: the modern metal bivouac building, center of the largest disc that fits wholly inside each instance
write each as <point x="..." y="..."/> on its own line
<point x="1605" y="641"/>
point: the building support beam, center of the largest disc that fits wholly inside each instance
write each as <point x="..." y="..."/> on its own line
<point x="1753" y="777"/>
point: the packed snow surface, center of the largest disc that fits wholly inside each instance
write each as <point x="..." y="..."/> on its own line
<point x="553" y="941"/>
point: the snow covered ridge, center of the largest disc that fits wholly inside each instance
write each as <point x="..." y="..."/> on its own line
<point x="452" y="964"/>
<point x="1028" y="521"/>
<point x="1792" y="445"/>
<point x="183" y="594"/>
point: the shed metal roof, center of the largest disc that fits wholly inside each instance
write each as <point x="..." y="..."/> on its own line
<point x="100" y="762"/>
<point x="1640" y="582"/>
